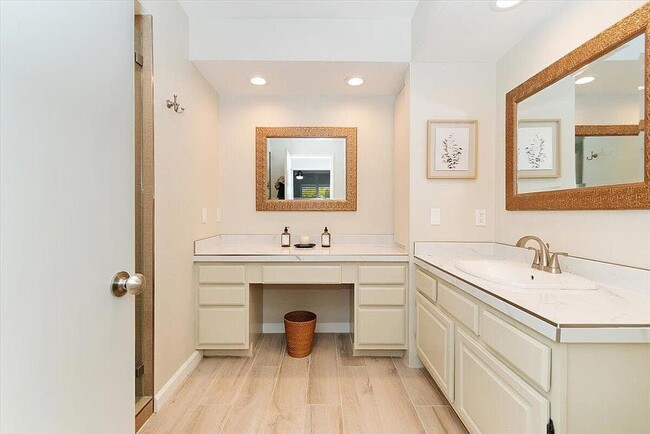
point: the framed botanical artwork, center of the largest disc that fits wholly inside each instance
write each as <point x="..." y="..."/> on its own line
<point x="538" y="148"/>
<point x="451" y="148"/>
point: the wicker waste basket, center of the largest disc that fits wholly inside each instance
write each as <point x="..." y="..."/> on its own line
<point x="299" y="327"/>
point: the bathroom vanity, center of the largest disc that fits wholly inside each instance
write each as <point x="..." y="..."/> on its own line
<point x="510" y="360"/>
<point x="231" y="277"/>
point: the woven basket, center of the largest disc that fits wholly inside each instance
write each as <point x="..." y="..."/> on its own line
<point x="299" y="327"/>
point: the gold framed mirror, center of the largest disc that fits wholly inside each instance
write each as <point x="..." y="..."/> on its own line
<point x="306" y="168"/>
<point x="598" y="97"/>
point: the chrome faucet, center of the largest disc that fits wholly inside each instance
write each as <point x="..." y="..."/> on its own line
<point x="544" y="259"/>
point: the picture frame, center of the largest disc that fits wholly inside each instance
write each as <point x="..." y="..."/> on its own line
<point x="538" y="148"/>
<point x="452" y="148"/>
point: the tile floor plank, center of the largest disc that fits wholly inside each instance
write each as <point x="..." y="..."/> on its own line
<point x="419" y="385"/>
<point x="323" y="374"/>
<point x="271" y="350"/>
<point x="440" y="419"/>
<point x="177" y="411"/>
<point x="395" y="408"/>
<point x="248" y="409"/>
<point x="206" y="419"/>
<point x="344" y="350"/>
<point x="359" y="409"/>
<point x="323" y="419"/>
<point x="286" y="411"/>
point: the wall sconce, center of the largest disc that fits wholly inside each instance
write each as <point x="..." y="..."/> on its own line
<point x="175" y="105"/>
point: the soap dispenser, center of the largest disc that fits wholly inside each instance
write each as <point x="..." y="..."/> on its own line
<point x="326" y="238"/>
<point x="286" y="237"/>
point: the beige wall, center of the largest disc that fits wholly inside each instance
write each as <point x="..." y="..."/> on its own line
<point x="186" y="165"/>
<point x="617" y="236"/>
<point x="451" y="91"/>
<point x="373" y="116"/>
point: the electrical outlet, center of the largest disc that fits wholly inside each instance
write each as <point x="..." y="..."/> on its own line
<point x="204" y="215"/>
<point x="481" y="217"/>
<point x="434" y="217"/>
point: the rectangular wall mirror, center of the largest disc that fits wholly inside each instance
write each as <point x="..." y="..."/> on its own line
<point x="575" y="136"/>
<point x="306" y="168"/>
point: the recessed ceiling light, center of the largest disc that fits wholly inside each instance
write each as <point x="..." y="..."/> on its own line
<point x="504" y="5"/>
<point x="586" y="79"/>
<point x="258" y="81"/>
<point x="354" y="81"/>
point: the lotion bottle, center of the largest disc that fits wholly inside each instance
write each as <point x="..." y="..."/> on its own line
<point x="326" y="238"/>
<point x="286" y="237"/>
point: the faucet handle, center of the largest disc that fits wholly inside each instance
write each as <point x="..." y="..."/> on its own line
<point x="554" y="262"/>
<point x="537" y="259"/>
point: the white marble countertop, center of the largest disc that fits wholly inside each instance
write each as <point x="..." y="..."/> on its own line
<point x="617" y="311"/>
<point x="249" y="248"/>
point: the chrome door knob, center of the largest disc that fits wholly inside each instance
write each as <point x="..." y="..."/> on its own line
<point x="123" y="283"/>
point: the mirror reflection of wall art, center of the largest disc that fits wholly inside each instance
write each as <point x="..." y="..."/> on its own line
<point x="538" y="144"/>
<point x="451" y="149"/>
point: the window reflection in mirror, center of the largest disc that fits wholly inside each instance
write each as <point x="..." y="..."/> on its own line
<point x="585" y="130"/>
<point x="305" y="168"/>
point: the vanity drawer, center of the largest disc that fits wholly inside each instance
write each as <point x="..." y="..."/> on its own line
<point x="426" y="285"/>
<point x="222" y="325"/>
<point x="225" y="295"/>
<point x="381" y="295"/>
<point x="301" y="274"/>
<point x="222" y="274"/>
<point x="460" y="307"/>
<point x="381" y="326"/>
<point x="526" y="353"/>
<point x="388" y="274"/>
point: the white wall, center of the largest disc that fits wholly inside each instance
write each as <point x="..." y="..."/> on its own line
<point x="401" y="168"/>
<point x="451" y="91"/>
<point x="618" y="236"/>
<point x="186" y="180"/>
<point x="354" y="40"/>
<point x="374" y="119"/>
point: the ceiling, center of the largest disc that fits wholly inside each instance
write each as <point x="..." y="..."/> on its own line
<point x="300" y="9"/>
<point x="303" y="78"/>
<point x="470" y="31"/>
<point x="441" y="31"/>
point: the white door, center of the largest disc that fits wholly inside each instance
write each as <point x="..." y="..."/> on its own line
<point x="67" y="217"/>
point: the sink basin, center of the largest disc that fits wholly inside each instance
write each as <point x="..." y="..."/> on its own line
<point x="520" y="275"/>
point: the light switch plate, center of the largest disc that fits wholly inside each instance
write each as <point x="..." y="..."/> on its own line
<point x="204" y="215"/>
<point x="481" y="217"/>
<point x="434" y="217"/>
<point x="218" y="215"/>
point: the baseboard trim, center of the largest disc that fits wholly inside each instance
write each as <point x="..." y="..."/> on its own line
<point x="321" y="327"/>
<point x="176" y="381"/>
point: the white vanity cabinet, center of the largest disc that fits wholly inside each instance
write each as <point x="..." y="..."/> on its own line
<point x="229" y="302"/>
<point x="502" y="377"/>
<point x="435" y="344"/>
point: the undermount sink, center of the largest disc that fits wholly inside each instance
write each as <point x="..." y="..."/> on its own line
<point x="520" y="275"/>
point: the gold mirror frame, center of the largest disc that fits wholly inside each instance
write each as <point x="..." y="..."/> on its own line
<point x="263" y="203"/>
<point x="623" y="196"/>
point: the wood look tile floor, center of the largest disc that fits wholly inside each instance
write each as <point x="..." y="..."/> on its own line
<point x="328" y="392"/>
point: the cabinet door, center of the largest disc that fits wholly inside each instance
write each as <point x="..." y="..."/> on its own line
<point x="490" y="398"/>
<point x="435" y="344"/>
